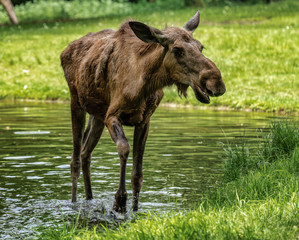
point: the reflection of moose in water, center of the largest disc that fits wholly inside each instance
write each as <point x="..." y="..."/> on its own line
<point x="118" y="77"/>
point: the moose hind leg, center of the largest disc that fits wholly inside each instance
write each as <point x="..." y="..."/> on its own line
<point x="92" y="135"/>
<point x="123" y="149"/>
<point x="78" y="123"/>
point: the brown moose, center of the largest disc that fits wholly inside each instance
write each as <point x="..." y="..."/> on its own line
<point x="117" y="77"/>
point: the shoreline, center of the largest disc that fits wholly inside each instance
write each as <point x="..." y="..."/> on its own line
<point x="166" y="105"/>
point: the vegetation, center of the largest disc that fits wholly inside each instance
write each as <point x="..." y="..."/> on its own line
<point x="259" y="202"/>
<point x="38" y="10"/>
<point x="253" y="46"/>
<point x="282" y="140"/>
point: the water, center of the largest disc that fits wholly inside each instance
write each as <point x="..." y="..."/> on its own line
<point x="183" y="159"/>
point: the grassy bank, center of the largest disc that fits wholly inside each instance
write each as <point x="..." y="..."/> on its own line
<point x="258" y="199"/>
<point x="255" y="47"/>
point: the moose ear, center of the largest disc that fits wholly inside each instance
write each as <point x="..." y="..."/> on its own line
<point x="147" y="34"/>
<point x="193" y="22"/>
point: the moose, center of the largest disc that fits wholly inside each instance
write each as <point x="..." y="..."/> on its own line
<point x="118" y="77"/>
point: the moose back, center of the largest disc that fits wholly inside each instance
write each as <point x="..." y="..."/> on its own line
<point x="117" y="77"/>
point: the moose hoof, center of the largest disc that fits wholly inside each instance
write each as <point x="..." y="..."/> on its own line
<point x="89" y="196"/>
<point x="135" y="204"/>
<point x="120" y="202"/>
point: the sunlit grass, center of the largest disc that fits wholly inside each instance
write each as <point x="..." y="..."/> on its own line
<point x="255" y="47"/>
<point x="83" y="9"/>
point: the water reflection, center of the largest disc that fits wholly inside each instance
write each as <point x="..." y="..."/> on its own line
<point x="182" y="160"/>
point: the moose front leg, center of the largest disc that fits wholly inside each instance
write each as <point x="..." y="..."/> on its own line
<point x="123" y="148"/>
<point x="140" y="136"/>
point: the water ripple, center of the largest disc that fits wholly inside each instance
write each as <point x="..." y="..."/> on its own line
<point x="32" y="132"/>
<point x="18" y="157"/>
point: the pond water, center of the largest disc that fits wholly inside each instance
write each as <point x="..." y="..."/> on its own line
<point x="183" y="159"/>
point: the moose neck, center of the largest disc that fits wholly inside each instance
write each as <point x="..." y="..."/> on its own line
<point x="156" y="75"/>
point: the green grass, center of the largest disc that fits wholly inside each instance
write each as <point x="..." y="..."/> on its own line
<point x="38" y="10"/>
<point x="259" y="203"/>
<point x="255" y="47"/>
<point x="280" y="142"/>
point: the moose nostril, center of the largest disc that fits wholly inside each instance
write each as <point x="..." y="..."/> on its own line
<point x="210" y="92"/>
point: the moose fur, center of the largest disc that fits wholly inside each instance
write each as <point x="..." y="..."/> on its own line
<point x="117" y="77"/>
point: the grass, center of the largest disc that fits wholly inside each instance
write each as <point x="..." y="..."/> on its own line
<point x="254" y="47"/>
<point x="38" y="10"/>
<point x="281" y="141"/>
<point x="259" y="203"/>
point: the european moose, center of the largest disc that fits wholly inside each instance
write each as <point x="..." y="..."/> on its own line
<point x="117" y="77"/>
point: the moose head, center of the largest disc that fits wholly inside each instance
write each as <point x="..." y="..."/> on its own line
<point x="184" y="60"/>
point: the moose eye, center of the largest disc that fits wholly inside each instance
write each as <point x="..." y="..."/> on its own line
<point x="177" y="51"/>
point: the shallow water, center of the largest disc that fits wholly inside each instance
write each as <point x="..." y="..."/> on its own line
<point x="183" y="159"/>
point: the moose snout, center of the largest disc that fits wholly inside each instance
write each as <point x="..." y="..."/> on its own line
<point x="215" y="87"/>
<point x="211" y="80"/>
